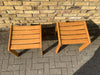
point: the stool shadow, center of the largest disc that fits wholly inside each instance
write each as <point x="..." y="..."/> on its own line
<point x="49" y="48"/>
<point x="62" y="47"/>
<point x="48" y="34"/>
<point x="93" y="29"/>
<point x="54" y="45"/>
<point x="23" y="51"/>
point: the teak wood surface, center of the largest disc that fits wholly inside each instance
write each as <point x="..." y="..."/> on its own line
<point x="25" y="37"/>
<point x="72" y="33"/>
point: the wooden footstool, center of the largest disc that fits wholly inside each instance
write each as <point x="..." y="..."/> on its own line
<point x="72" y="33"/>
<point x="25" y="37"/>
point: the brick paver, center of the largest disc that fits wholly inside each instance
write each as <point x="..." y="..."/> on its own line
<point x="67" y="62"/>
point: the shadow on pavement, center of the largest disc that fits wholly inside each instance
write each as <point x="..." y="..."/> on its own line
<point x="92" y="67"/>
<point x="93" y="29"/>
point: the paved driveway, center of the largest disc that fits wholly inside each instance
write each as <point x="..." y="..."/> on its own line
<point x="67" y="62"/>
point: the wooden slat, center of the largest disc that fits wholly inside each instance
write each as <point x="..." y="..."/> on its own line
<point x="27" y="32"/>
<point x="73" y="32"/>
<point x="25" y="41"/>
<point x="28" y="46"/>
<point x="25" y="36"/>
<point x="74" y="41"/>
<point x="71" y="23"/>
<point x="74" y="36"/>
<point x="72" y="28"/>
<point x="26" y="27"/>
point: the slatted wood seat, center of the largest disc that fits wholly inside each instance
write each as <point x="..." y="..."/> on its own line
<point x="25" y="37"/>
<point x="72" y="33"/>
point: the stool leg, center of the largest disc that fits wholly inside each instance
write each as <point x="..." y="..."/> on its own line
<point x="41" y="52"/>
<point x="83" y="46"/>
<point x="14" y="52"/>
<point x="57" y="49"/>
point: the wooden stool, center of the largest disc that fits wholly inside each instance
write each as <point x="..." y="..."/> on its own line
<point x="72" y="33"/>
<point x="25" y="37"/>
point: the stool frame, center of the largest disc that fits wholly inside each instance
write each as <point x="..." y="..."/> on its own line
<point x="58" y="31"/>
<point x="12" y="45"/>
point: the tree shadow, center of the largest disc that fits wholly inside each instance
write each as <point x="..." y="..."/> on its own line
<point x="92" y="67"/>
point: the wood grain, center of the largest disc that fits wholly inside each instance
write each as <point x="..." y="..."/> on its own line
<point x="26" y="27"/>
<point x="74" y="36"/>
<point x="25" y="41"/>
<point x="74" y="41"/>
<point x="71" y="23"/>
<point x="73" y="32"/>
<point x="36" y="36"/>
<point x="28" y="46"/>
<point x="72" y="28"/>
<point x="27" y="32"/>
